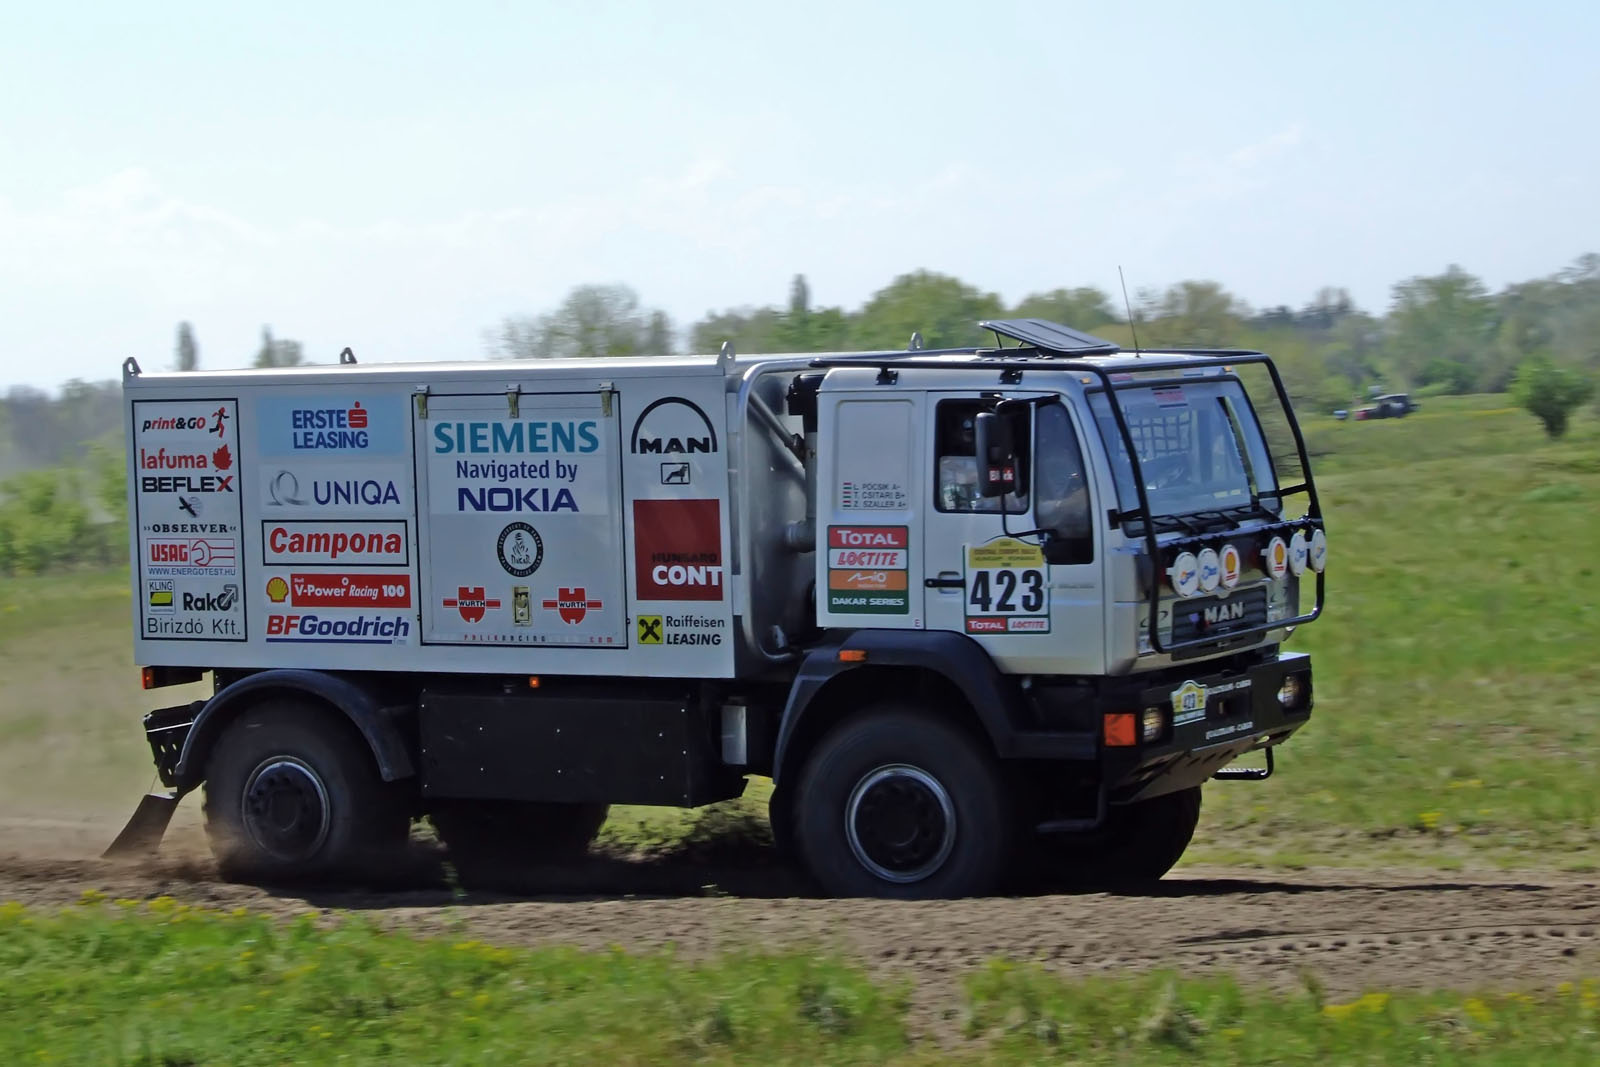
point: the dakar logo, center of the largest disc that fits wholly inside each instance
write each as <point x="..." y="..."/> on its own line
<point x="677" y="427"/>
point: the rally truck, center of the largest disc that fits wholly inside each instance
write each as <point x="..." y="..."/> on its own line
<point x="968" y="610"/>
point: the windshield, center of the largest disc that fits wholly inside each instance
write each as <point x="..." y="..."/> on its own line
<point x="1200" y="447"/>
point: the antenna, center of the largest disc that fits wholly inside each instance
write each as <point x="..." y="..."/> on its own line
<point x="1129" y="307"/>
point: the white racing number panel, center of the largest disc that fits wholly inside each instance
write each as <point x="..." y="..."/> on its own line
<point x="522" y="531"/>
<point x="188" y="520"/>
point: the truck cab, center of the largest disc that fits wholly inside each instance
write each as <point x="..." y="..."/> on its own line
<point x="970" y="611"/>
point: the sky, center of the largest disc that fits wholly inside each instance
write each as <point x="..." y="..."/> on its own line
<point x="398" y="177"/>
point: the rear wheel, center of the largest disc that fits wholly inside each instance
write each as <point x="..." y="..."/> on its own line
<point x="901" y="804"/>
<point x="1137" y="845"/>
<point x="292" y="792"/>
<point x="491" y="840"/>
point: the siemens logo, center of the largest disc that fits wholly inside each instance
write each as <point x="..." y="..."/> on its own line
<point x="534" y="437"/>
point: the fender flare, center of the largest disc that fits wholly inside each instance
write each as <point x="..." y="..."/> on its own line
<point x="955" y="657"/>
<point x="382" y="735"/>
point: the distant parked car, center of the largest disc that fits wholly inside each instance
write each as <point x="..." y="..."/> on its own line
<point x="1392" y="406"/>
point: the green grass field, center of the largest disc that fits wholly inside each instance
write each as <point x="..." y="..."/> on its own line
<point x="1457" y="683"/>
<point x="164" y="983"/>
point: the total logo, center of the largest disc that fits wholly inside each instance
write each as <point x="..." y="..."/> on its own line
<point x="571" y="605"/>
<point x="471" y="602"/>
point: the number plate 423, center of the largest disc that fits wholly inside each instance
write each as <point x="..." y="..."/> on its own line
<point x="1007" y="588"/>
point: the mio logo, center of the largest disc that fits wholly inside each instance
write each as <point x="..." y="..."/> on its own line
<point x="672" y="426"/>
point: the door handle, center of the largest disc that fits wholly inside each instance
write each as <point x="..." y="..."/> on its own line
<point x="946" y="580"/>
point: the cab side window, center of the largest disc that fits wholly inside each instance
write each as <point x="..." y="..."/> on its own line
<point x="1061" y="484"/>
<point x="956" y="459"/>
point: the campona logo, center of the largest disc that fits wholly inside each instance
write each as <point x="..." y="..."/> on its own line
<point x="676" y="427"/>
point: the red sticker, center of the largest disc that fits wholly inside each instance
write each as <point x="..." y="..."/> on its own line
<point x="677" y="549"/>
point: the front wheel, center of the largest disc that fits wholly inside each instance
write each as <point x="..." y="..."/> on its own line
<point x="898" y="803"/>
<point x="1137" y="845"/>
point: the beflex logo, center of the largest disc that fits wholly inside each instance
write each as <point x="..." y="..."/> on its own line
<point x="672" y="426"/>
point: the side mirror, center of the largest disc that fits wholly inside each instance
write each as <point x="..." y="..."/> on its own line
<point x="997" y="460"/>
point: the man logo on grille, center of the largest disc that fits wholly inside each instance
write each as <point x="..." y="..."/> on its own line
<point x="650" y="630"/>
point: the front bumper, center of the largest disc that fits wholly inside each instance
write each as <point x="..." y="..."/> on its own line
<point x="1211" y="720"/>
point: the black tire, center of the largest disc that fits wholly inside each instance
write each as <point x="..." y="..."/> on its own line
<point x="292" y="794"/>
<point x="492" y="841"/>
<point x="1137" y="846"/>
<point x="901" y="803"/>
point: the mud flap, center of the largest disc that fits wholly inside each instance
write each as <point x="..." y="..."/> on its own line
<point x="142" y="836"/>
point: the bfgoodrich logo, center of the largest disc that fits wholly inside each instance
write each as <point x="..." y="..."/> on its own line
<point x="675" y="427"/>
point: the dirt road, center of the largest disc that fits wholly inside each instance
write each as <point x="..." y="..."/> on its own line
<point x="1354" y="930"/>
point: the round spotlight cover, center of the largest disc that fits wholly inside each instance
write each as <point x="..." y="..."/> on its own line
<point x="1319" y="550"/>
<point x="1210" y="569"/>
<point x="1185" y="574"/>
<point x="1275" y="558"/>
<point x="1298" y="551"/>
<point x="1231" y="565"/>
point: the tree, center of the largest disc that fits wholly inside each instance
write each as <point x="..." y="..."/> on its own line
<point x="944" y="310"/>
<point x="188" y="355"/>
<point x="1551" y="392"/>
<point x="1194" y="313"/>
<point x="594" y="320"/>
<point x="1441" y="331"/>
<point x="274" y="353"/>
<point x="1085" y="308"/>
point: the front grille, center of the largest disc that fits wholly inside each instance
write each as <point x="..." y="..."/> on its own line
<point x="1216" y="617"/>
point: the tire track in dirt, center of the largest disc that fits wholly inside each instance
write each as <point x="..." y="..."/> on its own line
<point x="1353" y="930"/>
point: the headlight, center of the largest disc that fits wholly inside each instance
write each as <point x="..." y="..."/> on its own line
<point x="1210" y="569"/>
<point x="1292" y="693"/>
<point x="1152" y="723"/>
<point x="1319" y="550"/>
<point x="1275" y="559"/>
<point x="1298" y="551"/>
<point x="1231" y="563"/>
<point x="1185" y="574"/>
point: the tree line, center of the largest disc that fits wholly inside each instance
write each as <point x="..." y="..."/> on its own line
<point x="61" y="464"/>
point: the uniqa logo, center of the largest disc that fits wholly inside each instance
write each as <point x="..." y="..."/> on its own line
<point x="677" y="426"/>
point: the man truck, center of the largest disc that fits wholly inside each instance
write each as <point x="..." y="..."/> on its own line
<point x="965" y="608"/>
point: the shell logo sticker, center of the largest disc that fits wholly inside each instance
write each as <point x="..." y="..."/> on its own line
<point x="1230" y="566"/>
<point x="1185" y="574"/>
<point x="1276" y="556"/>
<point x="277" y="590"/>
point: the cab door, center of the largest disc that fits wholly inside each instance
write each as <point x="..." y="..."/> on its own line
<point x="986" y="574"/>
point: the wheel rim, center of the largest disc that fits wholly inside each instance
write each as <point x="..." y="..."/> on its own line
<point x="901" y="823"/>
<point x="286" y="808"/>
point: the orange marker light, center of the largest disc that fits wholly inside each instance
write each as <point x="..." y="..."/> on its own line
<point x="1122" y="730"/>
<point x="852" y="655"/>
<point x="147" y="677"/>
<point x="533" y="681"/>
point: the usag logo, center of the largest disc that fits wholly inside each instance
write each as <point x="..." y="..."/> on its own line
<point x="650" y="630"/>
